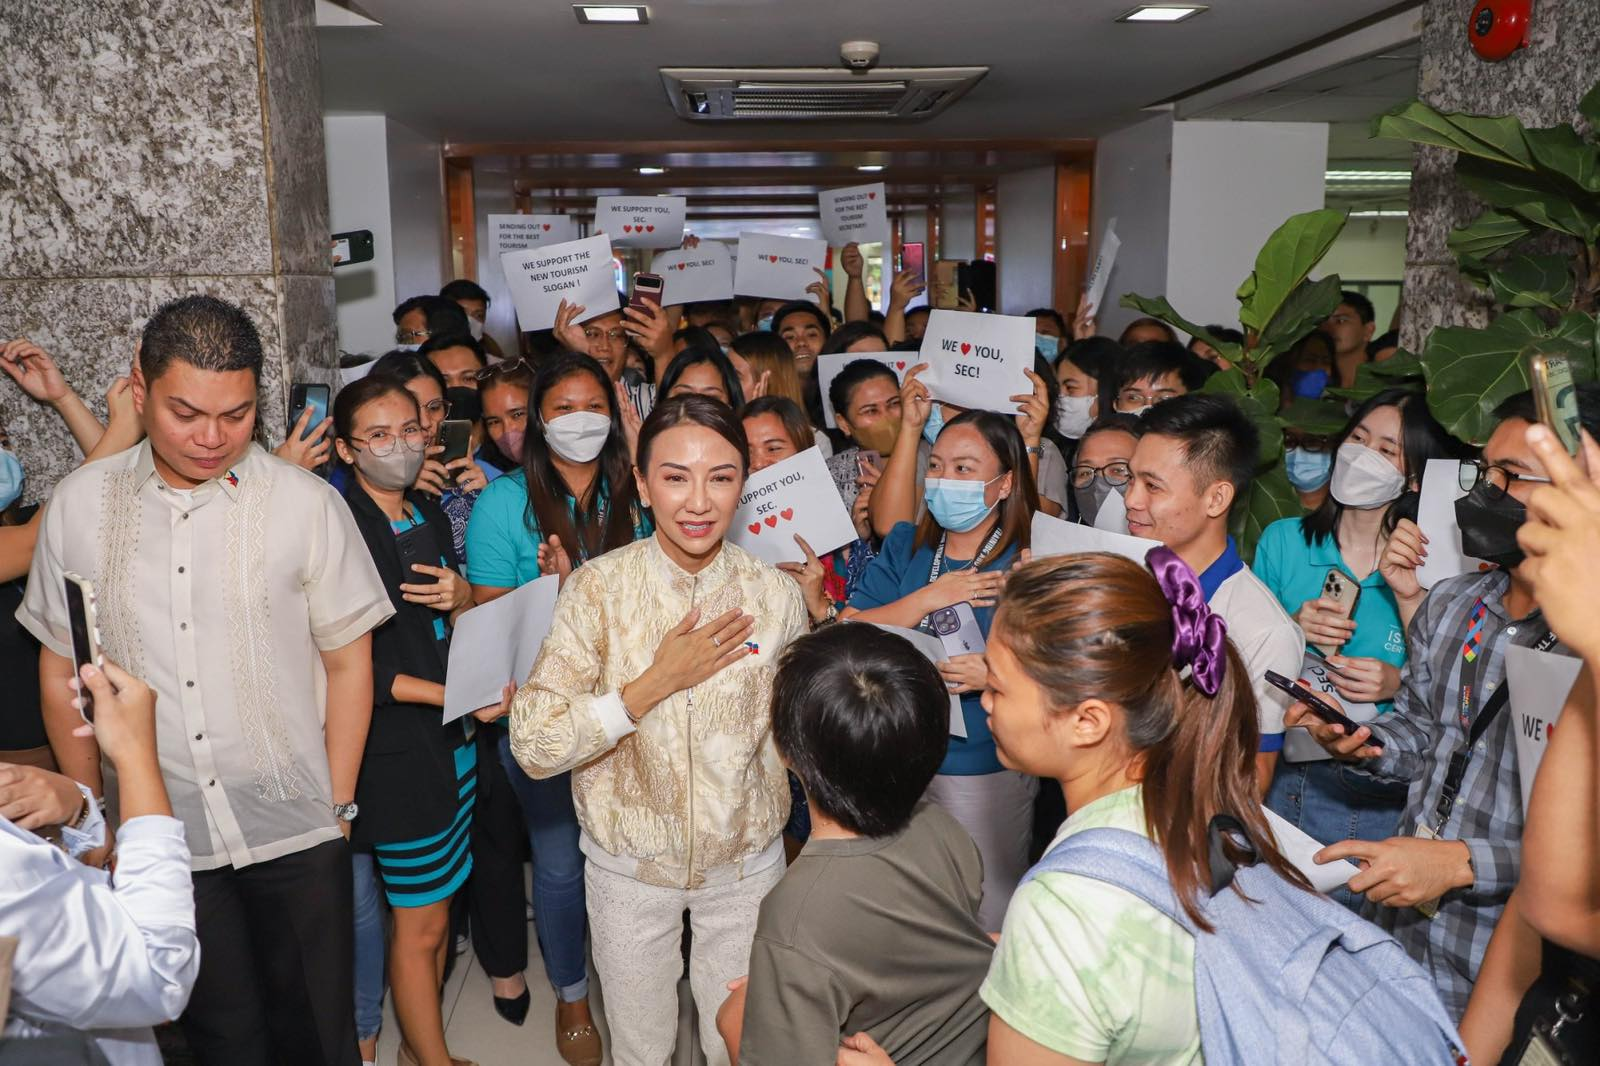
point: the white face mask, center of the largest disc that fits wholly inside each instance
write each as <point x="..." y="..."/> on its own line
<point x="407" y="347"/>
<point x="1072" y="415"/>
<point x="579" y="436"/>
<point x="475" y="328"/>
<point x="1362" y="478"/>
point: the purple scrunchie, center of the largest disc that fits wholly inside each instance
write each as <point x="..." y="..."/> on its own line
<point x="1199" y="637"/>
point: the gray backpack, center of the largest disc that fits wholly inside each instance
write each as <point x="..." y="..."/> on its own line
<point x="1286" y="976"/>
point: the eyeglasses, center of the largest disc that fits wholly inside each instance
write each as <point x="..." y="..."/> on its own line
<point x="381" y="442"/>
<point x="615" y="336"/>
<point x="1116" y="473"/>
<point x="1139" y="398"/>
<point x="411" y="336"/>
<point x="506" y="369"/>
<point x="1307" y="442"/>
<point x="1475" y="472"/>
<point x="436" y="409"/>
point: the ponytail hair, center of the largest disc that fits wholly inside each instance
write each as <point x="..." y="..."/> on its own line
<point x="1099" y="626"/>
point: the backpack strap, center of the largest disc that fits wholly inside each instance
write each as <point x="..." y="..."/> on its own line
<point x="1118" y="857"/>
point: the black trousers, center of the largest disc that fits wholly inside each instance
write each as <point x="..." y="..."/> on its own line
<point x="496" y="889"/>
<point x="277" y="963"/>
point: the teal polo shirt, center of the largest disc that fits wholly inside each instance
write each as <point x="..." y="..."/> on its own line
<point x="1294" y="571"/>
<point x="503" y="536"/>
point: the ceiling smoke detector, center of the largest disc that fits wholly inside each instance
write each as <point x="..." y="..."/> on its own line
<point x="724" y="94"/>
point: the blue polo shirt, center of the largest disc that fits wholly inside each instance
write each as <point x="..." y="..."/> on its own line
<point x="503" y="534"/>
<point x="896" y="573"/>
<point x="1294" y="571"/>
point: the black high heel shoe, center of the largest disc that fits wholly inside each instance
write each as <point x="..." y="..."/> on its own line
<point x="514" y="1010"/>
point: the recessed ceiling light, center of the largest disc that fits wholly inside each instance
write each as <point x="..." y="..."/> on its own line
<point x="1163" y="12"/>
<point x="652" y="170"/>
<point x="632" y="14"/>
<point x="870" y="168"/>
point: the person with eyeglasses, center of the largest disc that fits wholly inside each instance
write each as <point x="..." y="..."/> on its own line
<point x="1441" y="883"/>
<point x="1148" y="373"/>
<point x="414" y="796"/>
<point x="423" y="317"/>
<point x="607" y="338"/>
<point x="1375" y="483"/>
<point x="1307" y="462"/>
<point x="1101" y="472"/>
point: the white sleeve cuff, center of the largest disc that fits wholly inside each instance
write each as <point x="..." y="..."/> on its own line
<point x="613" y="716"/>
<point x="90" y="835"/>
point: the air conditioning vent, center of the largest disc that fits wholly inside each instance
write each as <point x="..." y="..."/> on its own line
<point x="799" y="93"/>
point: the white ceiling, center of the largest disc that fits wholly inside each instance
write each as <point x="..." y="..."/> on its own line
<point x="525" y="71"/>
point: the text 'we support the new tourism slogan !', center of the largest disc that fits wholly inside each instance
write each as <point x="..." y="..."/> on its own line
<point x="578" y="272"/>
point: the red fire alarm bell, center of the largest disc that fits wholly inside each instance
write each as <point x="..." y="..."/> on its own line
<point x="1497" y="28"/>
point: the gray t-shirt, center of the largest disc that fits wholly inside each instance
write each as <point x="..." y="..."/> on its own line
<point x="877" y="934"/>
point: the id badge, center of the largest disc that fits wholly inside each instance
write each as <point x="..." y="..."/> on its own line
<point x="1428" y="908"/>
<point x="1540" y="1052"/>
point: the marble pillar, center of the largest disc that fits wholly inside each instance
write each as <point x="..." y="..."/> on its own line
<point x="150" y="149"/>
<point x="1541" y="85"/>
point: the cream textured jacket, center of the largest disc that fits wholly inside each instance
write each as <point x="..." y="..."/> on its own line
<point x="694" y="794"/>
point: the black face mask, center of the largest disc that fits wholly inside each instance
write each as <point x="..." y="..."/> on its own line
<point x="465" y="403"/>
<point x="1489" y="522"/>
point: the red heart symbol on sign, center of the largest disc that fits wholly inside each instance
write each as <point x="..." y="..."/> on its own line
<point x="1550" y="732"/>
<point x="872" y="196"/>
<point x="771" y="520"/>
<point x="547" y="225"/>
<point x="899" y="364"/>
<point x="965" y="348"/>
<point x="787" y="513"/>
<point x="755" y="527"/>
<point x="627" y="229"/>
<point x="773" y="258"/>
<point x="649" y="229"/>
<point x="683" y="266"/>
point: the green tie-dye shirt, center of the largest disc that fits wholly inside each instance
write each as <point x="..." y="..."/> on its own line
<point x="1089" y="971"/>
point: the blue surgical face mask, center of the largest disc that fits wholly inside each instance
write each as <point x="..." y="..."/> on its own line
<point x="957" y="505"/>
<point x="1047" y="346"/>
<point x="1307" y="470"/>
<point x="764" y="323"/>
<point x="10" y="478"/>
<point x="1309" y="383"/>
<point x="934" y="425"/>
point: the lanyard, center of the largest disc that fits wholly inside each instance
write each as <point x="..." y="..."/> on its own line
<point x="1480" y="724"/>
<point x="938" y="566"/>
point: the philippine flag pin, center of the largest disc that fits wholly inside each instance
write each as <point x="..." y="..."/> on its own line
<point x="755" y="649"/>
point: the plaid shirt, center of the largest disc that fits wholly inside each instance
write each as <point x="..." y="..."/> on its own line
<point x="1458" y="637"/>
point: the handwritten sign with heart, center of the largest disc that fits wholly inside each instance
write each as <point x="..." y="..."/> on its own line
<point x="795" y="496"/>
<point x="778" y="267"/>
<point x="978" y="361"/>
<point x="640" y="221"/>
<point x="510" y="233"/>
<point x="1540" y="681"/>
<point x="857" y="214"/>
<point x="693" y="274"/>
<point x="831" y="365"/>
<point x="578" y="272"/>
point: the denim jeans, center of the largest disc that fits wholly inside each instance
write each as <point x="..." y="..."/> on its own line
<point x="369" y="946"/>
<point x="559" y="913"/>
<point x="1330" y="802"/>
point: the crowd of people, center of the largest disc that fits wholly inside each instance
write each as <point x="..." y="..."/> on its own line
<point x="253" y="819"/>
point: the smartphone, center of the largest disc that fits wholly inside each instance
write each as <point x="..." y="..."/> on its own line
<point x="84" y="626"/>
<point x="315" y="396"/>
<point x="943" y="293"/>
<point x="957" y="629"/>
<point x="1318" y="706"/>
<point x="911" y="259"/>
<point x="646" y="290"/>
<point x="353" y="246"/>
<point x="417" y="546"/>
<point x="1555" y="397"/>
<point x="1337" y="586"/>
<point x="977" y="279"/>
<point x="456" y="436"/>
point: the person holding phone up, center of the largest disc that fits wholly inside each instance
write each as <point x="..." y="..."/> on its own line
<point x="979" y="495"/>
<point x="1325" y="569"/>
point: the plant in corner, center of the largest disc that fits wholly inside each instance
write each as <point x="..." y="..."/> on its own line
<point x="1277" y="306"/>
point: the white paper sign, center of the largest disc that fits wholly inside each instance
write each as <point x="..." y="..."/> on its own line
<point x="640" y="221"/>
<point x="1056" y="536"/>
<point x="933" y="649"/>
<point x="692" y="274"/>
<point x="779" y="268"/>
<point x="1298" y="847"/>
<point x="349" y="375"/>
<point x="859" y="214"/>
<point x="1095" y="291"/>
<point x="579" y="272"/>
<point x="1298" y="745"/>
<point x="495" y="643"/>
<point x="830" y="365"/>
<point x="978" y="361"/>
<point x="1436" y="516"/>
<point x="1540" y="682"/>
<point x="510" y="233"/>
<point x="795" y="496"/>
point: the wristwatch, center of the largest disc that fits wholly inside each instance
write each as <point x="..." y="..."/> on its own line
<point x="346" y="812"/>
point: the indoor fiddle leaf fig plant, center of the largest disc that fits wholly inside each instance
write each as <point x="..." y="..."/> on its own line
<point x="1278" y="305"/>
<point x="1535" y="248"/>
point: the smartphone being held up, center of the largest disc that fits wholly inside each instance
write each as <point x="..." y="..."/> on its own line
<point x="455" y="434"/>
<point x="911" y="259"/>
<point x="1338" y="588"/>
<point x="313" y="395"/>
<point x="646" y="290"/>
<point x="85" y="631"/>
<point x="1555" y="398"/>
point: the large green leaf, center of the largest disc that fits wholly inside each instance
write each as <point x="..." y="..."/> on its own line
<point x="1323" y="417"/>
<point x="1259" y="403"/>
<point x="1589" y="106"/>
<point x="1559" y="149"/>
<point x="1533" y="281"/>
<point x="1372" y="378"/>
<point x="1496" y="138"/>
<point x="1308" y="304"/>
<point x="1539" y="198"/>
<point x="1487" y="234"/>
<point x="1470" y="371"/>
<point x="1157" y="307"/>
<point x="1283" y="263"/>
<point x="1269" y="498"/>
